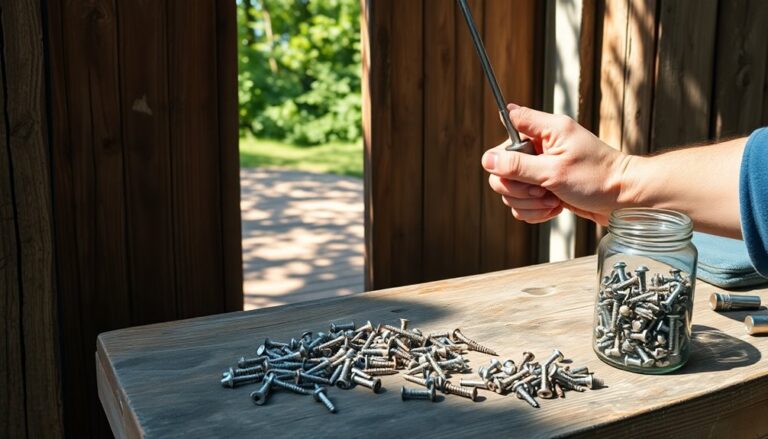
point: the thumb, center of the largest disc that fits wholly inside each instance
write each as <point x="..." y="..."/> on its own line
<point x="531" y="169"/>
<point x="533" y="123"/>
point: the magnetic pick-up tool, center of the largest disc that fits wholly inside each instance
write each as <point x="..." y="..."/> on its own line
<point x="524" y="146"/>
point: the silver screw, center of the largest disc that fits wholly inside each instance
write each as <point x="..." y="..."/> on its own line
<point x="404" y="324"/>
<point x="641" y="272"/>
<point x="324" y="364"/>
<point x="620" y="269"/>
<point x="473" y="383"/>
<point x="336" y="374"/>
<point x="240" y="372"/>
<point x="426" y="382"/>
<point x="527" y="356"/>
<point x="343" y="380"/>
<point x="475" y="346"/>
<point x="377" y="371"/>
<point x="466" y="392"/>
<point x="292" y="387"/>
<point x="429" y="394"/>
<point x="545" y="391"/>
<point x="243" y="362"/>
<point x="373" y="384"/>
<point x="320" y="396"/>
<point x="519" y="389"/>
<point x="336" y="327"/>
<point x="305" y="377"/>
<point x="233" y="381"/>
<point x="259" y="397"/>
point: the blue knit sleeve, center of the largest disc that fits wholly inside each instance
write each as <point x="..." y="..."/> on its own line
<point x="753" y="199"/>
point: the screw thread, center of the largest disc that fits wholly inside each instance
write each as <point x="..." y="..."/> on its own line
<point x="408" y="334"/>
<point x="467" y="392"/>
<point x="327" y="402"/>
<point x="475" y="346"/>
<point x="375" y="371"/>
<point x="527" y="397"/>
<point x="416" y="380"/>
<point x="292" y="387"/>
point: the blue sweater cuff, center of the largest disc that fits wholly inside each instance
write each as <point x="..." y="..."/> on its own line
<point x="753" y="199"/>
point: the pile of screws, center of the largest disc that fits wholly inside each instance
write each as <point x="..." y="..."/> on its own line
<point x="640" y="323"/>
<point x="349" y="357"/>
<point x="528" y="379"/>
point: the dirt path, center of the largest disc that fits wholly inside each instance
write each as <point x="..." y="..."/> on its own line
<point x="302" y="236"/>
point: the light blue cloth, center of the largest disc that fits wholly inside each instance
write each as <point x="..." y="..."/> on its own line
<point x="753" y="199"/>
<point x="725" y="262"/>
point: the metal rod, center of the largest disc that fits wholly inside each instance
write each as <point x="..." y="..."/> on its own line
<point x="514" y="136"/>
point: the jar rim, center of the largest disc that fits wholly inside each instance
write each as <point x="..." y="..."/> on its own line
<point x="650" y="225"/>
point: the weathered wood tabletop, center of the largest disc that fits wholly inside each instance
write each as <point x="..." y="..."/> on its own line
<point x="162" y="380"/>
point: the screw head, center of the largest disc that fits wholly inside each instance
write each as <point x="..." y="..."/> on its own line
<point x="376" y="385"/>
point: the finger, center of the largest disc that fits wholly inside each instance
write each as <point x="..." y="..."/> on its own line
<point x="532" y="169"/>
<point x="536" y="124"/>
<point x="596" y="217"/>
<point x="512" y="188"/>
<point x="544" y="203"/>
<point x="535" y="216"/>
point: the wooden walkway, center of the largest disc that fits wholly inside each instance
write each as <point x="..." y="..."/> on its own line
<point x="302" y="236"/>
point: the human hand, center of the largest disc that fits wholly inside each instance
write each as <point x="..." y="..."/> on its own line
<point x="574" y="170"/>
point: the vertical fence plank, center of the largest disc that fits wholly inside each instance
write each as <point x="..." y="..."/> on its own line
<point x="638" y="76"/>
<point x="144" y="88"/>
<point x="590" y="42"/>
<point x="13" y="416"/>
<point x="740" y="67"/>
<point x="226" y="82"/>
<point x="195" y="156"/>
<point x="440" y="143"/>
<point x="393" y="105"/>
<point x="614" y="50"/>
<point x="25" y="146"/>
<point x="468" y="178"/>
<point x="517" y="63"/>
<point x="497" y="34"/>
<point x="88" y="195"/>
<point x="684" y="67"/>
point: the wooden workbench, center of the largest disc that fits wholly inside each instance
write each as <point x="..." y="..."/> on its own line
<point x="162" y="380"/>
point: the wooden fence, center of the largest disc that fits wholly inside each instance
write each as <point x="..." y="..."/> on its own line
<point x="663" y="73"/>
<point x="428" y="117"/>
<point x="119" y="190"/>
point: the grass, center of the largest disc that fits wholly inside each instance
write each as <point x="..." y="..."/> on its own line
<point x="331" y="158"/>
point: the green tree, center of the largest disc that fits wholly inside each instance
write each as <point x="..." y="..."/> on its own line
<point x="299" y="77"/>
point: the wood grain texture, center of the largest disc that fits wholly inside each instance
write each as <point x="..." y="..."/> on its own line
<point x="134" y="206"/>
<point x="89" y="197"/>
<point x="590" y="57"/>
<point x="638" y="76"/>
<point x="30" y="305"/>
<point x="195" y="152"/>
<point x="393" y="78"/>
<point x="13" y="416"/>
<point x="504" y="241"/>
<point x="535" y="308"/>
<point x="684" y="69"/>
<point x="442" y="182"/>
<point x="144" y="87"/>
<point x="522" y="68"/>
<point x="467" y="177"/>
<point x="612" y="68"/>
<point x="228" y="117"/>
<point x="740" y="73"/>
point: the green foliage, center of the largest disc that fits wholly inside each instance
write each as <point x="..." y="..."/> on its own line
<point x="299" y="75"/>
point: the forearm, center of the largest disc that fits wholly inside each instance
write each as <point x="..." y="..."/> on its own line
<point x="703" y="182"/>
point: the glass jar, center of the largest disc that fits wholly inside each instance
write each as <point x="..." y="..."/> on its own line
<point x="646" y="279"/>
